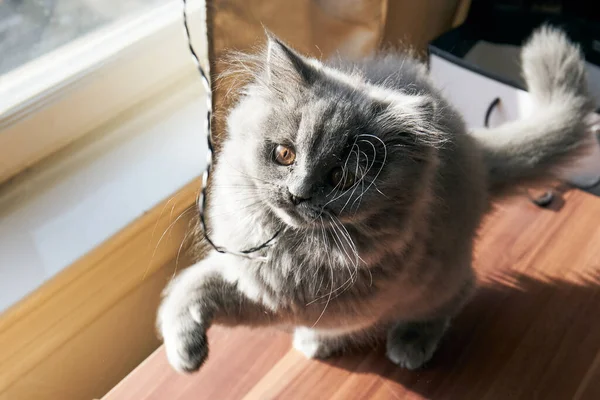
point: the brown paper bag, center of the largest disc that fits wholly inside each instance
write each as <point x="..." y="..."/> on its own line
<point x="320" y="28"/>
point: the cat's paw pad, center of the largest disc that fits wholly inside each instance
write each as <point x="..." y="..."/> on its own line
<point x="187" y="350"/>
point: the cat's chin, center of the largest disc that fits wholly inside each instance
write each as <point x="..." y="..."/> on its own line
<point x="298" y="219"/>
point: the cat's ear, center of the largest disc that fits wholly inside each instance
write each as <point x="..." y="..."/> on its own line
<point x="284" y="66"/>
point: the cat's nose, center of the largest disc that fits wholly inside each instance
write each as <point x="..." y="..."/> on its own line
<point x="297" y="199"/>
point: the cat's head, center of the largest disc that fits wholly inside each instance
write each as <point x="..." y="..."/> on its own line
<point x="321" y="143"/>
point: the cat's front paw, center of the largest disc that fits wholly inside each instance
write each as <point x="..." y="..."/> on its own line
<point x="187" y="350"/>
<point x="184" y="336"/>
<point x="308" y="343"/>
<point x="410" y="355"/>
<point x="412" y="345"/>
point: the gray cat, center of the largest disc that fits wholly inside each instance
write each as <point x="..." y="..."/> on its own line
<point x="377" y="190"/>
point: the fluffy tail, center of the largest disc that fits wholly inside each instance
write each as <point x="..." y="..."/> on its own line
<point x="531" y="151"/>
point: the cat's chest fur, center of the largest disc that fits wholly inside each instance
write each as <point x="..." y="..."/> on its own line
<point x="310" y="268"/>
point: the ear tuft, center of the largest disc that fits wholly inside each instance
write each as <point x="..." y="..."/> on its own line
<point x="284" y="66"/>
<point x="417" y="114"/>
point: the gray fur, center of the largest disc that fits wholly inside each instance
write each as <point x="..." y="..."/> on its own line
<point x="533" y="150"/>
<point x="391" y="254"/>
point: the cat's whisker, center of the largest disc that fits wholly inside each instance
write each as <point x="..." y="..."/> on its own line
<point x="348" y="238"/>
<point x="171" y="225"/>
<point x="369" y="165"/>
<point x="342" y="192"/>
<point x="244" y="199"/>
<point x="362" y="191"/>
<point x="356" y="252"/>
<point x="245" y="187"/>
<point x="251" y="212"/>
<point x="350" y="243"/>
<point x="185" y="237"/>
<point x="161" y="214"/>
<point x="355" y="185"/>
<point x="359" y="258"/>
<point x="322" y="231"/>
<point x="374" y="151"/>
<point x="364" y="175"/>
<point x="154" y="231"/>
<point x="212" y="215"/>
<point x="339" y="242"/>
<point x="344" y="168"/>
<point x="385" y="153"/>
<point x="330" y="291"/>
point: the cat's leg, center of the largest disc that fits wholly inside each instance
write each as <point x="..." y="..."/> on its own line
<point x="412" y="344"/>
<point x="317" y="343"/>
<point x="409" y="344"/>
<point x="314" y="345"/>
<point x="196" y="298"/>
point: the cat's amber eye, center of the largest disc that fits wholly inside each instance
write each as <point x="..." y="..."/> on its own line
<point x="341" y="180"/>
<point x="284" y="155"/>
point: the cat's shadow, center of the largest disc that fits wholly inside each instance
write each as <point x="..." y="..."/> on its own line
<point x="519" y="338"/>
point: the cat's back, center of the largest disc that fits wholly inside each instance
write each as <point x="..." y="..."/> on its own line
<point x="394" y="70"/>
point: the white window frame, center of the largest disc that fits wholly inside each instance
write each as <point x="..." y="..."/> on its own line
<point x="59" y="97"/>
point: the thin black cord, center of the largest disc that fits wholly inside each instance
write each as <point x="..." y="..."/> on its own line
<point x="205" y="176"/>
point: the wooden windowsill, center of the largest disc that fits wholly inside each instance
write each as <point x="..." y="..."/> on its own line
<point x="82" y="331"/>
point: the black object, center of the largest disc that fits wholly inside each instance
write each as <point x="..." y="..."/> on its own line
<point x="512" y="22"/>
<point x="488" y="113"/>
<point x="544" y="200"/>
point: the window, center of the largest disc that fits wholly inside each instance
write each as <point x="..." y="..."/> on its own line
<point x="107" y="121"/>
<point x="31" y="28"/>
<point x="69" y="66"/>
<point x="129" y="88"/>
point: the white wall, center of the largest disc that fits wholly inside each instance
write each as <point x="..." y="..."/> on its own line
<point x="66" y="206"/>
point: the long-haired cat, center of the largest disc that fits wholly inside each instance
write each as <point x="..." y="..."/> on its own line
<point x="376" y="189"/>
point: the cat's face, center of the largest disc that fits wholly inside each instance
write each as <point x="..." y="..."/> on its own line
<point x="323" y="147"/>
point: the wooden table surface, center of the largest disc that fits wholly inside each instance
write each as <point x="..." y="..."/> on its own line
<point x="532" y="332"/>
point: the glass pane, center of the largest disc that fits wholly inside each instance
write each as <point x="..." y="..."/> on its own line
<point x="31" y="28"/>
